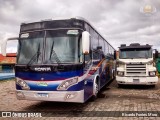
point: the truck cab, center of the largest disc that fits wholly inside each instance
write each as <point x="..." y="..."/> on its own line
<point x="158" y="63"/>
<point x="135" y="65"/>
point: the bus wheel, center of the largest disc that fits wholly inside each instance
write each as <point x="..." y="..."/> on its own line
<point x="153" y="86"/>
<point x="113" y="75"/>
<point x="95" y="91"/>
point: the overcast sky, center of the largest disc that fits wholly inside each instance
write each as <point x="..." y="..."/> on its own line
<point x="119" y="21"/>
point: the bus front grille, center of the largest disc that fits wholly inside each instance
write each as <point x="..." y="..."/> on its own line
<point x="135" y="69"/>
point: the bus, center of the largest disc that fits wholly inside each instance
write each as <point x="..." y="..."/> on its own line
<point x="64" y="60"/>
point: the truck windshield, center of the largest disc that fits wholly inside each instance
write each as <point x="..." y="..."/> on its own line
<point x="62" y="46"/>
<point x="135" y="53"/>
<point x="30" y="48"/>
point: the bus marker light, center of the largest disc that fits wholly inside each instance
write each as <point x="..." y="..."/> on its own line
<point x="20" y="94"/>
<point x="70" y="96"/>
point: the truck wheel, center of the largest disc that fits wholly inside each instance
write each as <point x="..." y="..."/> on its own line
<point x="114" y="75"/>
<point x="120" y="85"/>
<point x="153" y="86"/>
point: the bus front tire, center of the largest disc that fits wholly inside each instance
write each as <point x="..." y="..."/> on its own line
<point x="96" y="90"/>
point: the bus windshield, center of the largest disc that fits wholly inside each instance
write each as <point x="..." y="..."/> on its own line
<point x="135" y="53"/>
<point x="30" y="48"/>
<point x="62" y="46"/>
<point x="51" y="46"/>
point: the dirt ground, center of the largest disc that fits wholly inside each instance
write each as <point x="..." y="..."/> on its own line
<point x="110" y="101"/>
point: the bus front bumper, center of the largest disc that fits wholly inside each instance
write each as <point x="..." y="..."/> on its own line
<point x="137" y="80"/>
<point x="59" y="96"/>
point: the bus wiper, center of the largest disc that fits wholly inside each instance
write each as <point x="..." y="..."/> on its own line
<point x="35" y="56"/>
<point x="54" y="54"/>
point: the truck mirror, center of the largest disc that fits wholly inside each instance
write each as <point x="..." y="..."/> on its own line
<point x="85" y="42"/>
<point x="156" y="54"/>
<point x="115" y="55"/>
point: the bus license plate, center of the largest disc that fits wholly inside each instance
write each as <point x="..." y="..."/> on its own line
<point x="135" y="80"/>
<point x="42" y="94"/>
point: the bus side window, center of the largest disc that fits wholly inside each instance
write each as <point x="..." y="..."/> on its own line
<point x="96" y="55"/>
<point x="102" y="54"/>
<point x="87" y="58"/>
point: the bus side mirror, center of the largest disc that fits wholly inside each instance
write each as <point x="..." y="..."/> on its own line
<point x="85" y="42"/>
<point x="115" y="55"/>
<point x="4" y="46"/>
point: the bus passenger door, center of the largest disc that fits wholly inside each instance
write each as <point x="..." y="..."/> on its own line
<point x="88" y="82"/>
<point x="99" y="62"/>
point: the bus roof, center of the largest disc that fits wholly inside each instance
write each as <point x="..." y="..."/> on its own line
<point x="76" y="18"/>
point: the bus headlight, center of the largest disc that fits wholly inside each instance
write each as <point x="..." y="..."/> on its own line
<point x="22" y="83"/>
<point x="66" y="84"/>
<point x="152" y="73"/>
<point x="120" y="73"/>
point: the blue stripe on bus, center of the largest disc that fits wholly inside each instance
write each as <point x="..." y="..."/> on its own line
<point x="48" y="76"/>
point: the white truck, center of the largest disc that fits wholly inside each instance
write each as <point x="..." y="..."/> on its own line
<point x="135" y="65"/>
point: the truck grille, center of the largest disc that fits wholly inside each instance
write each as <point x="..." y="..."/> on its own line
<point x="135" y="69"/>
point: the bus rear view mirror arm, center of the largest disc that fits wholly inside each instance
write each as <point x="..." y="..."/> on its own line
<point x="156" y="54"/>
<point x="4" y="45"/>
<point x="115" y="55"/>
<point x="85" y="42"/>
